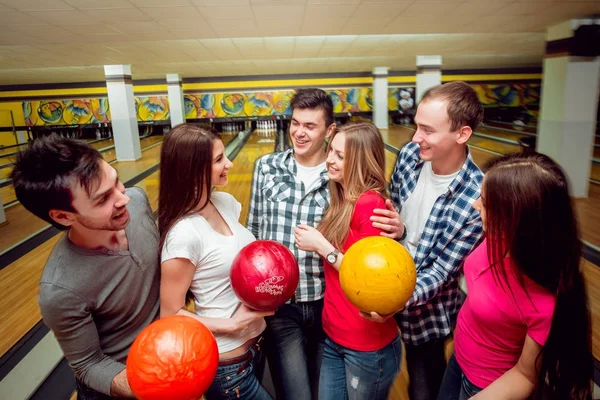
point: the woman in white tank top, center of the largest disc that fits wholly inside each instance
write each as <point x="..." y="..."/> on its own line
<point x="200" y="236"/>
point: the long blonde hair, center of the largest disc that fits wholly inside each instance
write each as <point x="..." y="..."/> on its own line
<point x="364" y="170"/>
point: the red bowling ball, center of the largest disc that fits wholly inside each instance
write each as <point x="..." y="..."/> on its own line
<point x="264" y="275"/>
<point x="173" y="358"/>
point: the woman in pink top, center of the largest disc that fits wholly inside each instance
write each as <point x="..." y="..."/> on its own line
<point x="361" y="358"/>
<point x="524" y="329"/>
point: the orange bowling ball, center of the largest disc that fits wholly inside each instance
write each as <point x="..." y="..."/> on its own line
<point x="172" y="358"/>
<point x="378" y="274"/>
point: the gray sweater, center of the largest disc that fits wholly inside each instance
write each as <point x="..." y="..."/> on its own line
<point x="97" y="301"/>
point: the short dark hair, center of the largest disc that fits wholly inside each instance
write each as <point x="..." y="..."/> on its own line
<point x="45" y="173"/>
<point x="464" y="107"/>
<point x="314" y="99"/>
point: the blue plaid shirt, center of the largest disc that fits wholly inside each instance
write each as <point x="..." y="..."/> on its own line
<point x="279" y="203"/>
<point x="451" y="232"/>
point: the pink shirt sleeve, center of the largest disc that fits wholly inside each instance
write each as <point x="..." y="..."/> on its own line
<point x="539" y="318"/>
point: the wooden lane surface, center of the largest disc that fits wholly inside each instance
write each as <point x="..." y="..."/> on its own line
<point x="514" y="136"/>
<point x="22" y="224"/>
<point x="595" y="172"/>
<point x="240" y="176"/>
<point x="7" y="193"/>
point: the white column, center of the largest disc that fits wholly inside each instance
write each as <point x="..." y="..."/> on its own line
<point x="380" y="97"/>
<point x="429" y="74"/>
<point x="21" y="137"/>
<point x="569" y="103"/>
<point x="122" y="112"/>
<point x="176" y="108"/>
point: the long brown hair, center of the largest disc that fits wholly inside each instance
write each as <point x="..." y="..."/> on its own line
<point x="364" y="170"/>
<point x="185" y="173"/>
<point x="530" y="218"/>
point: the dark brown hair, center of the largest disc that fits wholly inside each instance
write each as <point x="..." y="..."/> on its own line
<point x="464" y="107"/>
<point x="45" y="174"/>
<point x="185" y="173"/>
<point x="314" y="99"/>
<point x="530" y="218"/>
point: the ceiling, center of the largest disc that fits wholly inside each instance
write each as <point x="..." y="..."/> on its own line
<point x="47" y="41"/>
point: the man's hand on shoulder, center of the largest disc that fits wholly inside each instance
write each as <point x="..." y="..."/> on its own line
<point x="388" y="220"/>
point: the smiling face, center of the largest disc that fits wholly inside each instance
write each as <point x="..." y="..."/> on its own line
<point x="335" y="158"/>
<point x="308" y="131"/>
<point x="102" y="209"/>
<point x="434" y="135"/>
<point x="221" y="164"/>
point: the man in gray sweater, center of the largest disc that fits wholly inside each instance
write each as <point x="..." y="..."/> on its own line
<point x="100" y="285"/>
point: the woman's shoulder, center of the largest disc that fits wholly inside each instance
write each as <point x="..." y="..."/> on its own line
<point x="370" y="197"/>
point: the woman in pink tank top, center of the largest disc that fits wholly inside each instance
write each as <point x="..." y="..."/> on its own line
<point x="524" y="329"/>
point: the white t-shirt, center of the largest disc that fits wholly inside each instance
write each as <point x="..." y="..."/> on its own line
<point x="309" y="175"/>
<point x="417" y="208"/>
<point x="212" y="253"/>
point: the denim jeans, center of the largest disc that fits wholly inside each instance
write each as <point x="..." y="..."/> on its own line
<point x="455" y="385"/>
<point x="295" y="346"/>
<point x="240" y="380"/>
<point x="84" y="392"/>
<point x="358" y="375"/>
<point x="425" y="364"/>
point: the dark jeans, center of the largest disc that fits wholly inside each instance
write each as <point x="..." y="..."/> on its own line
<point x="240" y="378"/>
<point x="358" y="375"/>
<point x="295" y="346"/>
<point x="455" y="385"/>
<point x="425" y="364"/>
<point x="86" y="393"/>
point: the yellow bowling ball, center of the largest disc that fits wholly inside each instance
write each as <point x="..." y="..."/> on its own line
<point x="378" y="274"/>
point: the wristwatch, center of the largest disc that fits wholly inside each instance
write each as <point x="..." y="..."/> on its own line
<point x="403" y="234"/>
<point x="332" y="257"/>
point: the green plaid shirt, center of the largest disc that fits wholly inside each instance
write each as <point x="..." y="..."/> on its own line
<point x="278" y="204"/>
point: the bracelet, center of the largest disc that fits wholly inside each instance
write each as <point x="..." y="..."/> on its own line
<point x="404" y="234"/>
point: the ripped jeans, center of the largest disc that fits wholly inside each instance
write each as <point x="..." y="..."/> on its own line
<point x="360" y="375"/>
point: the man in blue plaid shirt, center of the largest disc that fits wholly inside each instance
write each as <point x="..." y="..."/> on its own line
<point x="434" y="184"/>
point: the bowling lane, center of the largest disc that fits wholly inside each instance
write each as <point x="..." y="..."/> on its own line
<point x="240" y="176"/>
<point x="512" y="136"/>
<point x="7" y="193"/>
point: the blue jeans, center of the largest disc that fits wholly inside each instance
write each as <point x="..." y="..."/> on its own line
<point x="455" y="385"/>
<point x="240" y="378"/>
<point x="425" y="364"/>
<point x="295" y="346"/>
<point x="358" y="375"/>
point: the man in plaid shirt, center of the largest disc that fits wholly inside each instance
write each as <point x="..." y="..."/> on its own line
<point x="291" y="188"/>
<point x="434" y="184"/>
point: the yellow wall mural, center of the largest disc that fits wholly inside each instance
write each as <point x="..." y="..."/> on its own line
<point x="258" y="104"/>
<point x="509" y="95"/>
<point x="90" y="111"/>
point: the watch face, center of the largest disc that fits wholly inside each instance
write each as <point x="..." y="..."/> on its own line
<point x="331" y="258"/>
